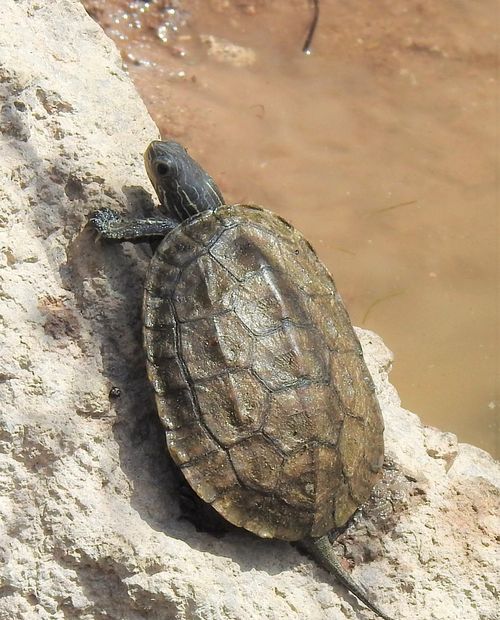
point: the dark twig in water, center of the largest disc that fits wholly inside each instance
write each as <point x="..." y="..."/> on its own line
<point x="307" y="45"/>
<point x="380" y="300"/>
<point x="397" y="206"/>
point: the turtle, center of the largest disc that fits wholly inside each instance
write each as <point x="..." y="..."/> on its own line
<point x="268" y="406"/>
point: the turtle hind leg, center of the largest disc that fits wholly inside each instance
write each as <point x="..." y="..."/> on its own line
<point x="321" y="550"/>
<point x="200" y="514"/>
<point x="110" y="225"/>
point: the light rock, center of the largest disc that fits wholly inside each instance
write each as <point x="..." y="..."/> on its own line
<point x="227" y="52"/>
<point x="89" y="523"/>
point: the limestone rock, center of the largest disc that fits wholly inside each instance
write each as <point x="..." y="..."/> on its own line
<point x="89" y="522"/>
<point x="227" y="52"/>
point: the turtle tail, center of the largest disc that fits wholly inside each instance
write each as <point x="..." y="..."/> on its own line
<point x="321" y="550"/>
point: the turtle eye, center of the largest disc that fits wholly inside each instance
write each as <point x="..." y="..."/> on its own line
<point x="162" y="169"/>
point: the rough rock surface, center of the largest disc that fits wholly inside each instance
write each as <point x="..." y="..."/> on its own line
<point x="90" y="526"/>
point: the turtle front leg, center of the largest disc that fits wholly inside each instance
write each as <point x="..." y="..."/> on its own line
<point x="110" y="225"/>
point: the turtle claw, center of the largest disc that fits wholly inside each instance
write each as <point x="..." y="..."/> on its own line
<point x="110" y="225"/>
<point x="102" y="221"/>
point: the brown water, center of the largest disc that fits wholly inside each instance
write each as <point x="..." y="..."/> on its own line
<point x="381" y="147"/>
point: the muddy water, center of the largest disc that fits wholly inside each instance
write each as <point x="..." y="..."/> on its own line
<point x="380" y="147"/>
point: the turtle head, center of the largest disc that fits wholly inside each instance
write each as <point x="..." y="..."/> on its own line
<point x="182" y="186"/>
